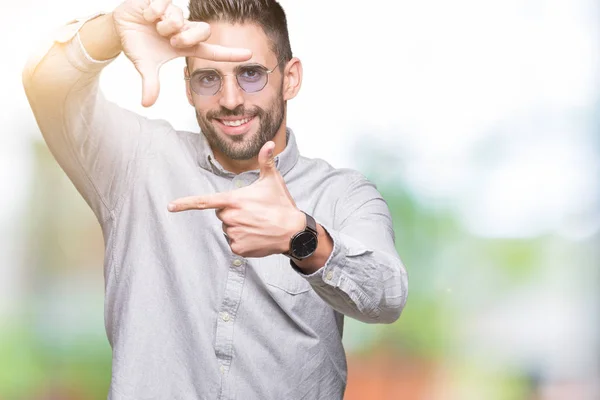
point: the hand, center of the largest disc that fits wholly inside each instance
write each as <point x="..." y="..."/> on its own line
<point x="259" y="219"/>
<point x="154" y="32"/>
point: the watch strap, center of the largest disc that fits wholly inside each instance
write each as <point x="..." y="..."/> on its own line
<point x="311" y="224"/>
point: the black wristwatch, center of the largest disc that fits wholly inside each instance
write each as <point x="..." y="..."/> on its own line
<point x="304" y="243"/>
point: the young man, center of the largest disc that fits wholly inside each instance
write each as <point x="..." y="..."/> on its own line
<point x="231" y="260"/>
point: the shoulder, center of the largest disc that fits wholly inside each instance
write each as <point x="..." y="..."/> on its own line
<point x="323" y="173"/>
<point x="165" y="140"/>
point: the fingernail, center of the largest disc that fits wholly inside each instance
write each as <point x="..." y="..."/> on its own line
<point x="171" y="207"/>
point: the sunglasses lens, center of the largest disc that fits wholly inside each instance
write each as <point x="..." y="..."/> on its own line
<point x="206" y="83"/>
<point x="252" y="79"/>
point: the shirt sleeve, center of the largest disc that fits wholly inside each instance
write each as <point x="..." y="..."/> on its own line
<point x="364" y="277"/>
<point x="93" y="140"/>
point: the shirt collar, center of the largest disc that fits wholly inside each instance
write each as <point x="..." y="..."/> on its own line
<point x="284" y="161"/>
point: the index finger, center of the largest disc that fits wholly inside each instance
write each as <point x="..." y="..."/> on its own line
<point x="216" y="52"/>
<point x="221" y="53"/>
<point x="217" y="200"/>
<point x="191" y="42"/>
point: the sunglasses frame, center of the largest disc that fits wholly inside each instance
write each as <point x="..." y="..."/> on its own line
<point x="222" y="76"/>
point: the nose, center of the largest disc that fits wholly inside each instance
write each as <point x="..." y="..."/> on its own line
<point x="231" y="93"/>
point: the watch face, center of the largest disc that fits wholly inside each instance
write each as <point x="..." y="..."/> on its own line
<point x="304" y="244"/>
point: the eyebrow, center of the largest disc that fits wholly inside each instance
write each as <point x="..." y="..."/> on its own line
<point x="238" y="68"/>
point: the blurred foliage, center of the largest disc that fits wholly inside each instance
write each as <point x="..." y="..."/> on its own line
<point x="56" y="347"/>
<point x="30" y="369"/>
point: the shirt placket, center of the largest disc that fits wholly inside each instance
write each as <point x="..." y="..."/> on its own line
<point x="228" y="311"/>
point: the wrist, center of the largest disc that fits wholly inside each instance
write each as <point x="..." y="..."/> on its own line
<point x="297" y="224"/>
<point x="305" y="234"/>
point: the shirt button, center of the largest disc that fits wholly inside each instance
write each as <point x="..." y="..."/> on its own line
<point x="225" y="316"/>
<point x="329" y="276"/>
<point x="239" y="184"/>
<point x="237" y="262"/>
<point x="222" y="369"/>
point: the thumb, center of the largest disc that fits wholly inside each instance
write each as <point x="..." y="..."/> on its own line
<point x="266" y="159"/>
<point x="150" y="83"/>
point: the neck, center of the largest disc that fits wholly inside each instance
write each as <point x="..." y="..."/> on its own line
<point x="239" y="166"/>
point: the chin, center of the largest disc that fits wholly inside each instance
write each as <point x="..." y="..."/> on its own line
<point x="241" y="147"/>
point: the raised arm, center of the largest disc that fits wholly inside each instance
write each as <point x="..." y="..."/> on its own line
<point x="92" y="139"/>
<point x="95" y="141"/>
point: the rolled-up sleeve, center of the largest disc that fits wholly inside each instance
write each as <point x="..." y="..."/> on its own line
<point x="364" y="277"/>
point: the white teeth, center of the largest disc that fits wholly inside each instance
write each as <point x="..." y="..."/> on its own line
<point x="236" y="123"/>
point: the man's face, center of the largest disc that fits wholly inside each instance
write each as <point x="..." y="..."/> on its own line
<point x="237" y="123"/>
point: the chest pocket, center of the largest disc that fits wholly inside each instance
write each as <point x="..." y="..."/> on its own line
<point x="278" y="274"/>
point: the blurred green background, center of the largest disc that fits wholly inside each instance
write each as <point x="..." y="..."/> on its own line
<point x="479" y="121"/>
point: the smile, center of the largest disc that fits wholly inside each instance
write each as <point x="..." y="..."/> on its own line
<point x="237" y="122"/>
<point x="235" y="126"/>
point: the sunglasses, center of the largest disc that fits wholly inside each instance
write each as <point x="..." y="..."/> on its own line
<point x="251" y="78"/>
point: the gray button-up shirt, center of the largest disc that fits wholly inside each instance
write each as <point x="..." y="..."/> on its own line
<point x="187" y="318"/>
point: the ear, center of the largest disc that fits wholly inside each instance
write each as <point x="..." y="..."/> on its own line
<point x="188" y="87"/>
<point x="292" y="78"/>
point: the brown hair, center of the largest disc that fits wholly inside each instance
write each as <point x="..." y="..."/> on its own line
<point x="267" y="14"/>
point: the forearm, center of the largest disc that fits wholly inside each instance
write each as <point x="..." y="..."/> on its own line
<point x="362" y="276"/>
<point x="365" y="284"/>
<point x="100" y="39"/>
